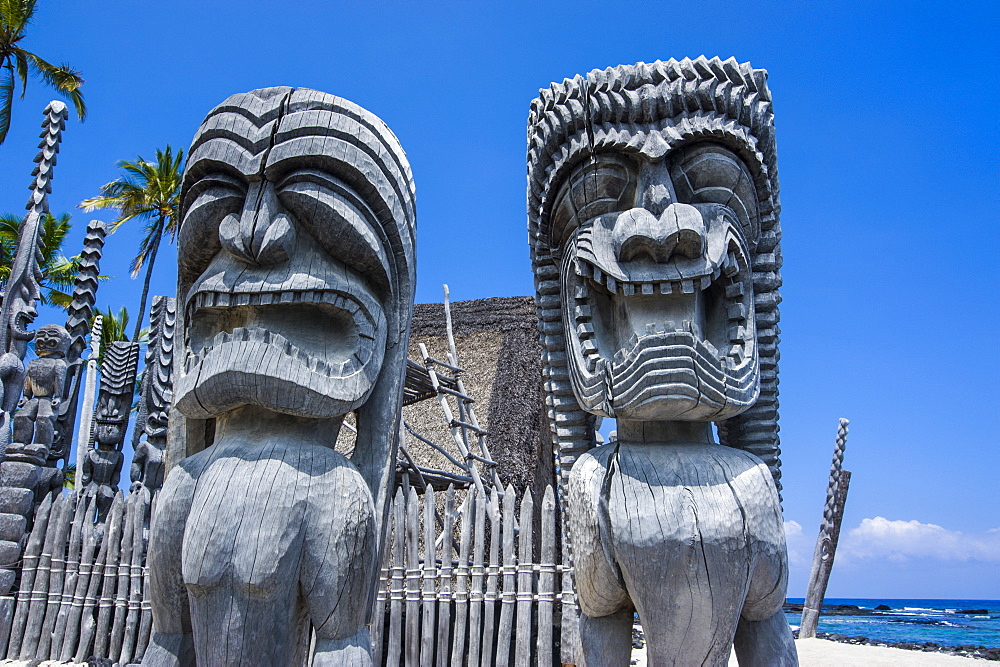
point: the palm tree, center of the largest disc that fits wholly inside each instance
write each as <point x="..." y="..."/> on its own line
<point x="58" y="271"/>
<point x="16" y="63"/>
<point x="113" y="328"/>
<point x="149" y="190"/>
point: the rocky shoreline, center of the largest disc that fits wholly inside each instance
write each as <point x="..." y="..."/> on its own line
<point x="965" y="650"/>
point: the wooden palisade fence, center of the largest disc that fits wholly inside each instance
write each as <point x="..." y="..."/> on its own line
<point x="467" y="584"/>
<point x="471" y="591"/>
<point x="83" y="583"/>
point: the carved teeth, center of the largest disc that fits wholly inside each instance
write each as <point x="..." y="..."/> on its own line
<point x="666" y="288"/>
<point x="650" y="327"/>
<point x="582" y="313"/>
<point x="647" y="288"/>
<point x="734" y="290"/>
<point x="628" y="289"/>
<point x="611" y="283"/>
<point x="687" y="286"/>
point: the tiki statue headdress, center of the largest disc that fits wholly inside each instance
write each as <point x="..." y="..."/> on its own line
<point x="653" y="224"/>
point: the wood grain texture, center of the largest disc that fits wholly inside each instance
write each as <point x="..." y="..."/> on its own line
<point x="657" y="264"/>
<point x="295" y="307"/>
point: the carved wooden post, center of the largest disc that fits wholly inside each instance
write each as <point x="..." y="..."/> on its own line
<point x="829" y="535"/>
<point x="150" y="435"/>
<point x="655" y="241"/>
<point x="81" y="311"/>
<point x="294" y="300"/>
<point x="102" y="463"/>
<point x="22" y="475"/>
<point x="89" y="396"/>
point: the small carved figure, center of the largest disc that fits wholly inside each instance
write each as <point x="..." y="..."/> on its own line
<point x="151" y="427"/>
<point x="103" y="462"/>
<point x="654" y="231"/>
<point x="295" y="290"/>
<point x="38" y="409"/>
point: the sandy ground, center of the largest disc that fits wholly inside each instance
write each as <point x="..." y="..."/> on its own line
<point x="825" y="653"/>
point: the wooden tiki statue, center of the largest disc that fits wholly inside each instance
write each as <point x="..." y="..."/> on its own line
<point x="653" y="224"/>
<point x="295" y="293"/>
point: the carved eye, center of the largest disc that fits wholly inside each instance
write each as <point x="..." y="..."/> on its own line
<point x="604" y="185"/>
<point x="710" y="174"/>
<point x="338" y="219"/>
<point x="207" y="202"/>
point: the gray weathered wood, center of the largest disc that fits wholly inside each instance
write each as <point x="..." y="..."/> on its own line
<point x="29" y="572"/>
<point x="623" y="315"/>
<point x="829" y="535"/>
<point x="73" y="563"/>
<point x="490" y="598"/>
<point x="294" y="311"/>
<point x="57" y="576"/>
<point x="522" y="642"/>
<point x="447" y="559"/>
<point x="509" y="597"/>
<point x="412" y="579"/>
<point x="122" y="588"/>
<point x="462" y="596"/>
<point x="478" y="568"/>
<point x="92" y="601"/>
<point x="396" y="594"/>
<point x="146" y="618"/>
<point x="378" y="624"/>
<point x="39" y="598"/>
<point x="88" y="550"/>
<point x="135" y="577"/>
<point x="109" y="576"/>
<point x="546" y="587"/>
<point x="427" y="626"/>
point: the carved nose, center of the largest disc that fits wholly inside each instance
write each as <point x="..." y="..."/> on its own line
<point x="679" y="230"/>
<point x="262" y="233"/>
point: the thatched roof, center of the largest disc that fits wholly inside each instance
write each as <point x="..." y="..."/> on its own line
<point x="497" y="343"/>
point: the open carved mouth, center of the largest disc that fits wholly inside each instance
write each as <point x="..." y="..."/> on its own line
<point x="647" y="331"/>
<point x="328" y="332"/>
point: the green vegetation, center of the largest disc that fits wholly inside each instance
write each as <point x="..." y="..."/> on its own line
<point x="149" y="191"/>
<point x="16" y="63"/>
<point x="58" y="271"/>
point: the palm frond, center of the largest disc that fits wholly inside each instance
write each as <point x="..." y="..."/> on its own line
<point x="16" y="15"/>
<point x="61" y="77"/>
<point x="6" y="100"/>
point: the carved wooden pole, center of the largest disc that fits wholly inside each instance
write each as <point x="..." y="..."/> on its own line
<point x="89" y="396"/>
<point x="22" y="289"/>
<point x="81" y="311"/>
<point x="829" y="535"/>
<point x="150" y="433"/>
<point x="20" y="478"/>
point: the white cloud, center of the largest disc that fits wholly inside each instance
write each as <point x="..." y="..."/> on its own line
<point x="800" y="547"/>
<point x="899" y="541"/>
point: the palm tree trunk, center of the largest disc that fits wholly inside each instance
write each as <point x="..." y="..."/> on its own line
<point x="145" y="283"/>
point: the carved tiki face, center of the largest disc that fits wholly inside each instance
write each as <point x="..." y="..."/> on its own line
<point x="646" y="205"/>
<point x="287" y="257"/>
<point x="51" y="340"/>
<point x="656" y="267"/>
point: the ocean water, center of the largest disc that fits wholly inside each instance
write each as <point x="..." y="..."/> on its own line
<point x="914" y="621"/>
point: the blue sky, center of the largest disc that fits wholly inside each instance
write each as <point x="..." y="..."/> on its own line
<point x="888" y="140"/>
